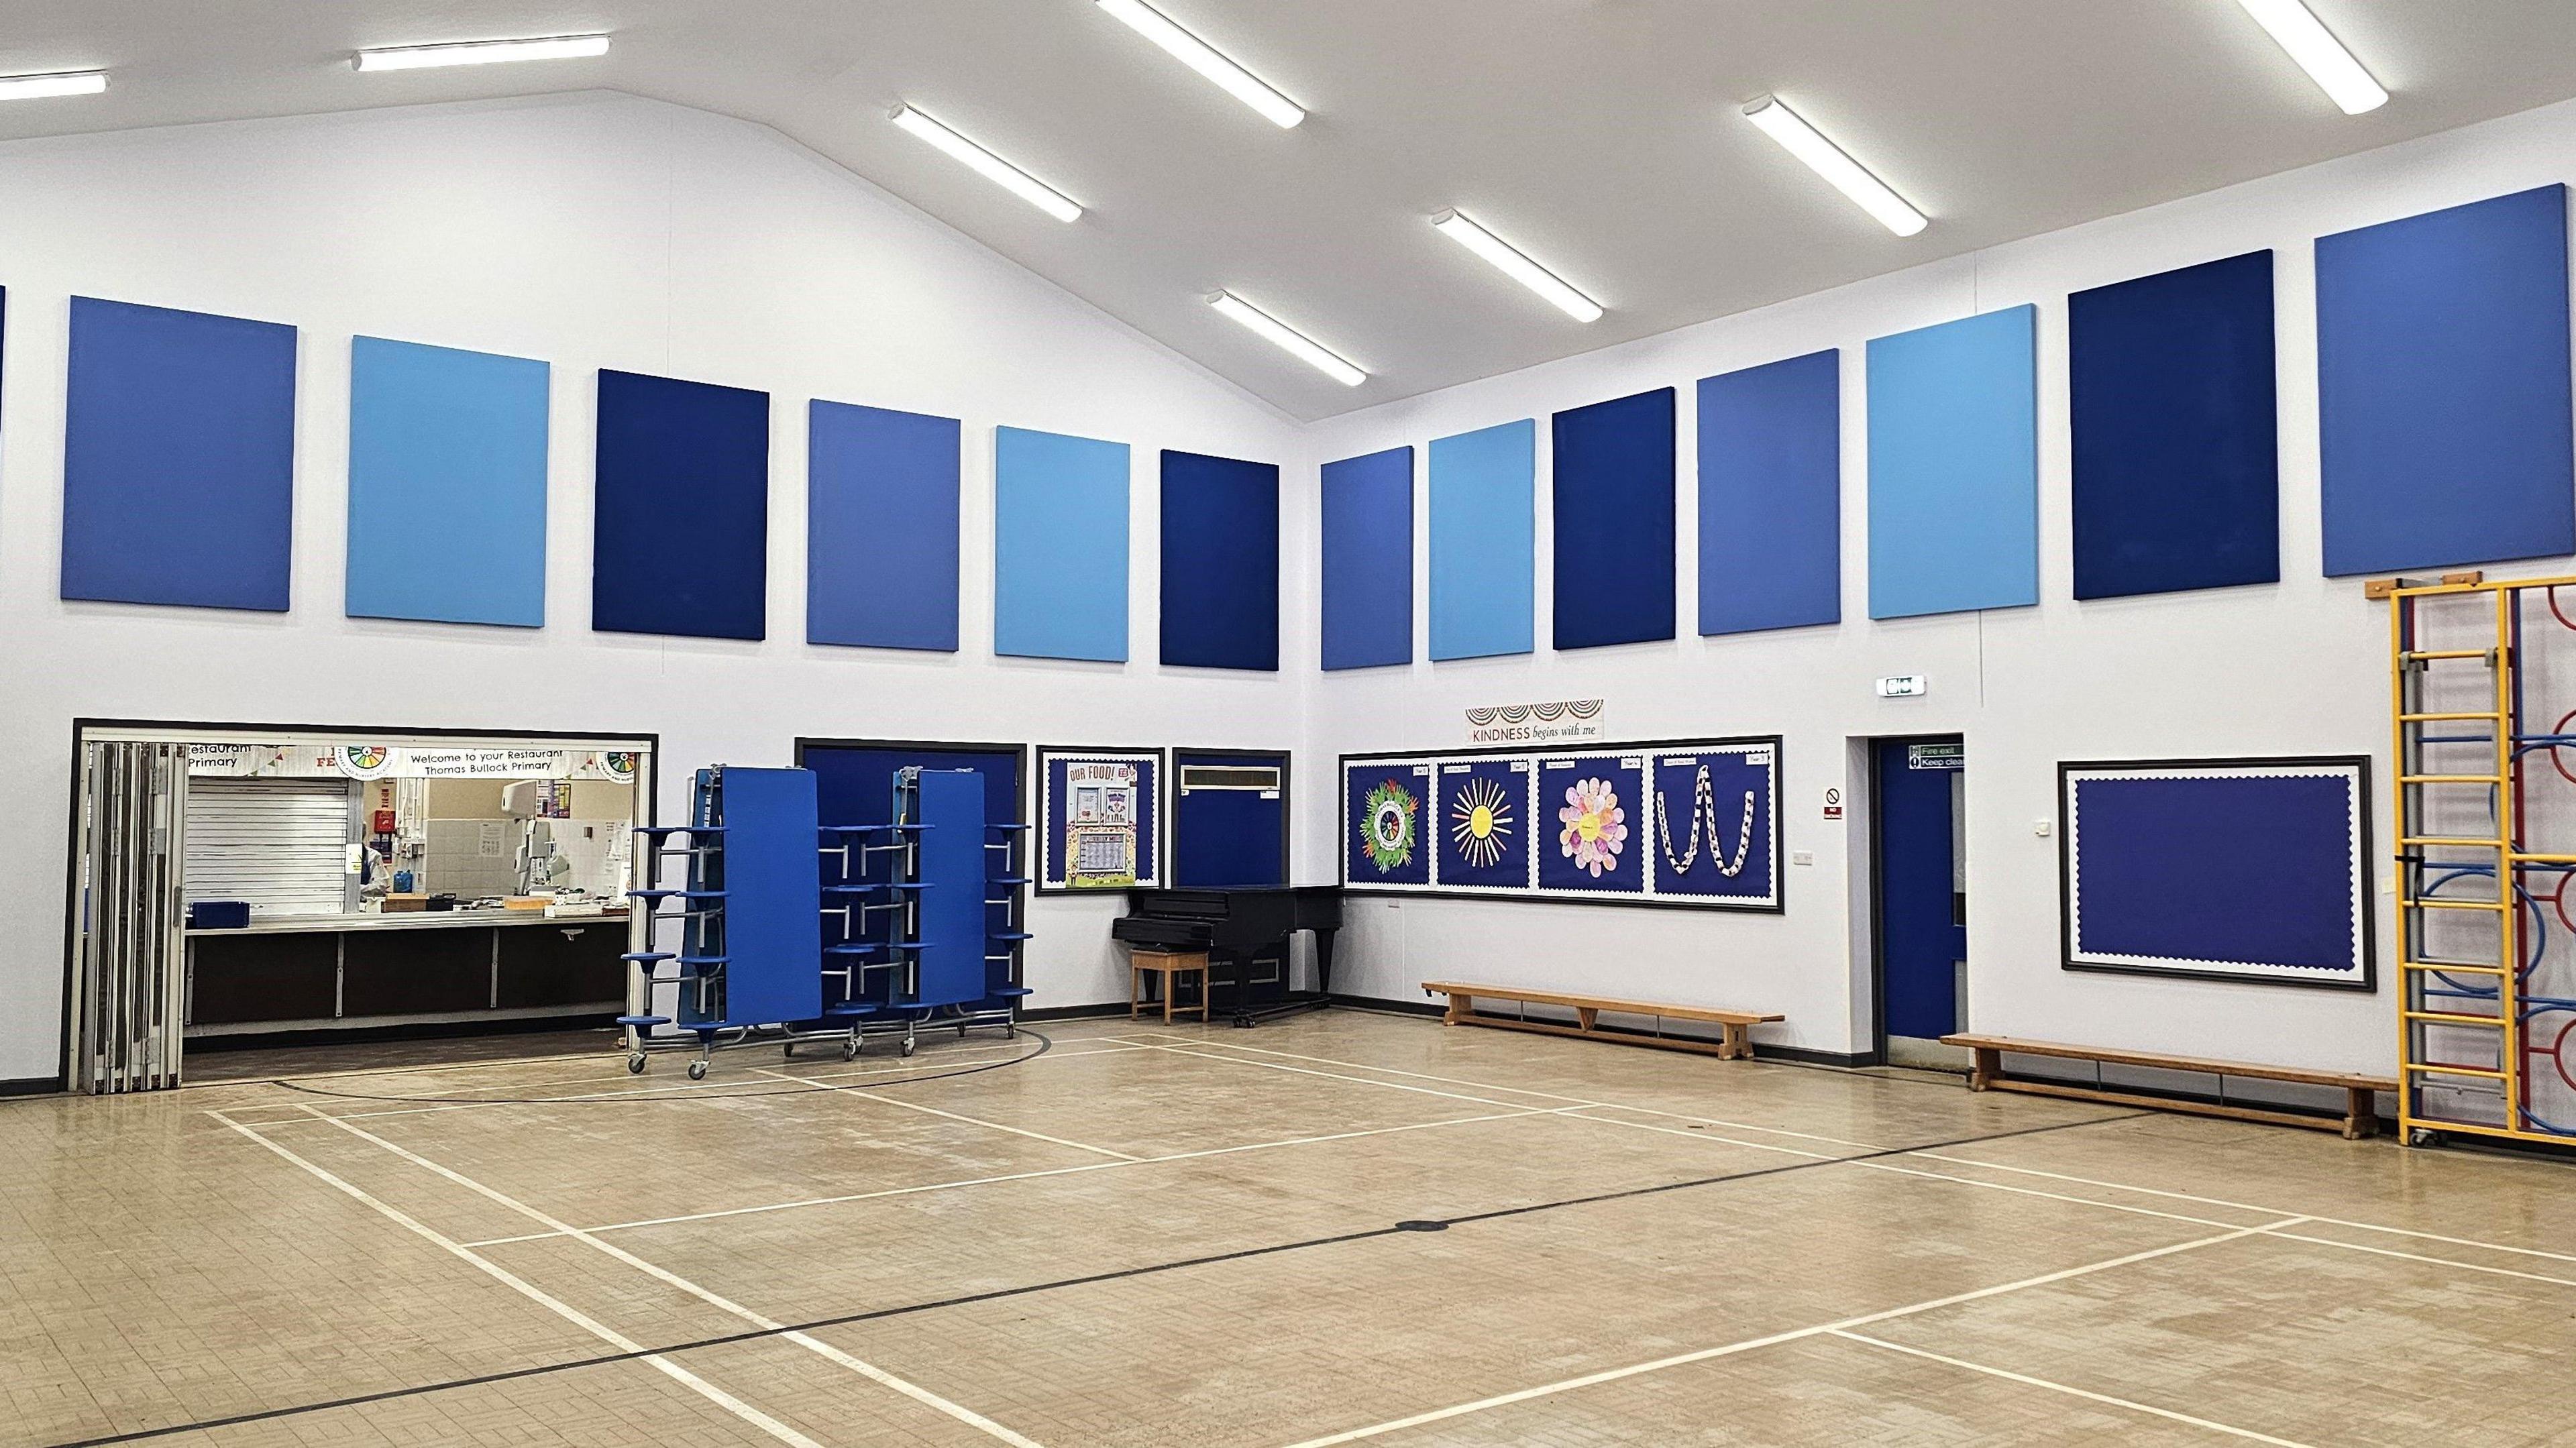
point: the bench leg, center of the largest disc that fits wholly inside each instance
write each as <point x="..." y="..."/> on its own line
<point x="1584" y="1016"/>
<point x="2360" y="1115"/>
<point x="1135" y="990"/>
<point x="1461" y="1006"/>
<point x="1989" y="1066"/>
<point x="1735" y="1042"/>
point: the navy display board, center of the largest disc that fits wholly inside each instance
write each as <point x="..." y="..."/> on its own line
<point x="2442" y="387"/>
<point x="880" y="528"/>
<point x="1368" y="560"/>
<point x="2176" y="439"/>
<point x="949" y="803"/>
<point x="1220" y="604"/>
<point x="854" y="784"/>
<point x="1229" y="827"/>
<point x="773" y="924"/>
<point x="1099" y="819"/>
<point x="2226" y="869"/>
<point x="1673" y="822"/>
<point x="1770" y="496"/>
<point x="680" y="531"/>
<point x="178" y="458"/>
<point x="1614" y="521"/>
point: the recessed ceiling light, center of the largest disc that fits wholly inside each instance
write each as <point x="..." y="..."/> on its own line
<point x="991" y="167"/>
<point x="1287" y="339"/>
<point x="1516" y="266"/>
<point x="1829" y="161"/>
<point x="2297" y="30"/>
<point x="1204" y="58"/>
<point x="58" y="83"/>
<point x="482" y="52"/>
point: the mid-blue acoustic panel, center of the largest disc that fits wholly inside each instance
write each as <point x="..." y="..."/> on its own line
<point x="2177" y="452"/>
<point x="1220" y="597"/>
<point x="1368" y="560"/>
<point x="447" y="485"/>
<point x="1613" y="485"/>
<point x="880" y="528"/>
<point x="680" y="541"/>
<point x="1954" y="467"/>
<point x="1484" y="541"/>
<point x="2442" y="387"/>
<point x="1770" y="496"/>
<point x="1059" y="546"/>
<point x="178" y="458"/>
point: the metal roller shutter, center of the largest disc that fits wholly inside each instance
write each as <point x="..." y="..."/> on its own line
<point x="281" y="844"/>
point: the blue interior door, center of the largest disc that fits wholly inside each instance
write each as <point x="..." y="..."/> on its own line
<point x="1229" y="835"/>
<point x="1922" y="926"/>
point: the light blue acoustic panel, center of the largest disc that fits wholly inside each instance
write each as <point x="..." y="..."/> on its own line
<point x="1954" y="467"/>
<point x="1613" y="495"/>
<point x="1484" y="541"/>
<point x="447" y="485"/>
<point x="2442" y="387"/>
<point x="880" y="528"/>
<point x="1770" y="496"/>
<point x="1059" y="546"/>
<point x="1368" y="560"/>
<point x="1219" y="603"/>
<point x="178" y="458"/>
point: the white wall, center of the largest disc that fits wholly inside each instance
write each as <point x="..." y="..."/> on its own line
<point x="2294" y="668"/>
<point x="591" y="231"/>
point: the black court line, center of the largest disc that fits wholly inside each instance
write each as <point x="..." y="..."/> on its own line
<point x="998" y="1294"/>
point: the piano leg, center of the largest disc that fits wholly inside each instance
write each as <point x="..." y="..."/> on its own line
<point x="1324" y="964"/>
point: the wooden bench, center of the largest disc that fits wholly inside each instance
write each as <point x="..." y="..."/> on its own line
<point x="1736" y="1027"/>
<point x="2360" y="1115"/>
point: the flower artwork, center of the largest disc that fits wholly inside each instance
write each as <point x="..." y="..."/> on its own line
<point x="1388" y="830"/>
<point x="1595" y="826"/>
<point x="1480" y="823"/>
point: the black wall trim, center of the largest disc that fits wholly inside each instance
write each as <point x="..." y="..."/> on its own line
<point x="1076" y="1013"/>
<point x="31" y="1086"/>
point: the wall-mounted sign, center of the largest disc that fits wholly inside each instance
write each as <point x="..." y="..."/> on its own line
<point x="1536" y="723"/>
<point x="1904" y="686"/>
<point x="1833" y="801"/>
<point x="1936" y="756"/>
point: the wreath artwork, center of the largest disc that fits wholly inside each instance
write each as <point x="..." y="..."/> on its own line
<point x="1480" y="821"/>
<point x="1391" y="809"/>
<point x="1596" y="826"/>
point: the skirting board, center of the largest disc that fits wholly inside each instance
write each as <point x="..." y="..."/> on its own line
<point x="31" y="1086"/>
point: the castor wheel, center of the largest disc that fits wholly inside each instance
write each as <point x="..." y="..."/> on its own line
<point x="961" y="1033"/>
<point x="635" y="1063"/>
<point x="2425" y="1136"/>
<point x="849" y="1050"/>
<point x="1010" y="1033"/>
<point x="910" y="1046"/>
<point x="697" y="1070"/>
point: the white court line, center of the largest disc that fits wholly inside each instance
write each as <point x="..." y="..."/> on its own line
<point x="951" y="1115"/>
<point x="813" y="1344"/>
<point x="1366" y="1081"/>
<point x="2072" y="1392"/>
<point x="1021" y="1176"/>
<point x="602" y="1331"/>
<point x="2420" y="1257"/>
<point x="1749" y="1344"/>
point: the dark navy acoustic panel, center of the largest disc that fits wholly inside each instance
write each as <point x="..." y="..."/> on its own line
<point x="1614" y="521"/>
<point x="2177" y="452"/>
<point x="1368" y="560"/>
<point x="1770" y="496"/>
<point x="2442" y="387"/>
<point x="880" y="528"/>
<point x="178" y="458"/>
<point x="1220" y="562"/>
<point x="680" y="541"/>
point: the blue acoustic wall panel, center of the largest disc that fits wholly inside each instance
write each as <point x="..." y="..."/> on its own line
<point x="1954" y="467"/>
<point x="680" y="541"/>
<point x="178" y="458"/>
<point x="1484" y="541"/>
<point x="1059" y="546"/>
<point x="2177" y="449"/>
<point x="1770" y="496"/>
<point x="1613" y="489"/>
<point x="447" y="485"/>
<point x="1220" y="595"/>
<point x="2442" y="382"/>
<point x="1368" y="560"/>
<point x="880" y="528"/>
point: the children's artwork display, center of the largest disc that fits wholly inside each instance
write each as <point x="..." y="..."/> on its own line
<point x="1685" y="822"/>
<point x="1100" y="819"/>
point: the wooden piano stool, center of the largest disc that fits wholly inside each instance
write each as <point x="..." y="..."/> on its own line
<point x="1169" y="965"/>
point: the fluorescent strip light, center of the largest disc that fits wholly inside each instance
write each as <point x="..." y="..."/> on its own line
<point x="1829" y="161"/>
<point x="60" y="83"/>
<point x="991" y="167"/>
<point x="1305" y="348"/>
<point x="2297" y="30"/>
<point x="1516" y="266"/>
<point x="482" y="52"/>
<point x="1204" y="58"/>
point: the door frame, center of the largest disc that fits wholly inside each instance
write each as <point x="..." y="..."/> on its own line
<point x="1878" y="883"/>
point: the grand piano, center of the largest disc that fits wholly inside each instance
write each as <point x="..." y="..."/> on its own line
<point x="1245" y="933"/>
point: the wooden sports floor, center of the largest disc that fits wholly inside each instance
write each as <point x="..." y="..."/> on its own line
<point x="1197" y="1235"/>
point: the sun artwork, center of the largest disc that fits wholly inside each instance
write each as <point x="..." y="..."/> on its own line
<point x="1480" y="820"/>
